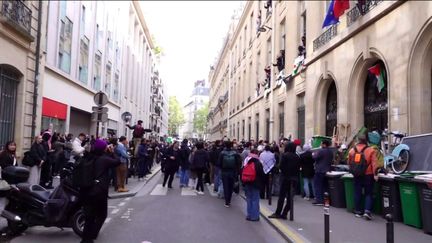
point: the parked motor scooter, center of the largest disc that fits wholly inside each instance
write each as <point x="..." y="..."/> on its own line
<point x="32" y="205"/>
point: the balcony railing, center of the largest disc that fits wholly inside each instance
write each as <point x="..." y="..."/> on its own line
<point x="355" y="13"/>
<point x="17" y="15"/>
<point x="325" y="37"/>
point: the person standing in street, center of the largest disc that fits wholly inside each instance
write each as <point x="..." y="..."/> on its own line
<point x="252" y="185"/>
<point x="290" y="170"/>
<point x="77" y="147"/>
<point x="199" y="163"/>
<point x="307" y="171"/>
<point x="268" y="161"/>
<point x="184" y="165"/>
<point x="143" y="158"/>
<point x="173" y="159"/>
<point x="363" y="164"/>
<point x="246" y="151"/>
<point x="95" y="199"/>
<point x="323" y="159"/>
<point x="121" y="151"/>
<point x="46" y="179"/>
<point x="230" y="162"/>
<point x="214" y="156"/>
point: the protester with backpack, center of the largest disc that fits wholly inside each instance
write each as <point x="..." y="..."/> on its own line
<point x="95" y="196"/>
<point x="252" y="179"/>
<point x="290" y="171"/>
<point x="363" y="164"/>
<point x="230" y="162"/>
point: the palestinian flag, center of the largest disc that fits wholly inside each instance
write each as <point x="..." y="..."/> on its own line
<point x="379" y="72"/>
<point x="298" y="63"/>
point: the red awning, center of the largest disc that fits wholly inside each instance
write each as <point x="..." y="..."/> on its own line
<point x="51" y="108"/>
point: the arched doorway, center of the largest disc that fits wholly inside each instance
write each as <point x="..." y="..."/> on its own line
<point x="331" y="109"/>
<point x="375" y="97"/>
<point x="9" y="79"/>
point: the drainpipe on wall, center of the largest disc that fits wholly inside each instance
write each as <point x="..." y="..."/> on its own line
<point x="272" y="79"/>
<point x="36" y="77"/>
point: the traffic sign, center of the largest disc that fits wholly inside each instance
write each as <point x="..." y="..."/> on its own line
<point x="100" y="109"/>
<point x="126" y="116"/>
<point x="100" y="98"/>
<point x="99" y="117"/>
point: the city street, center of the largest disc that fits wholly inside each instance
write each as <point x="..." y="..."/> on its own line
<point x="177" y="215"/>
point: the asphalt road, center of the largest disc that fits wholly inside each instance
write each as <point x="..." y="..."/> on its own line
<point x="160" y="215"/>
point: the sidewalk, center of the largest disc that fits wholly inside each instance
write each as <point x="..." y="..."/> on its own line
<point x="308" y="225"/>
<point x="133" y="185"/>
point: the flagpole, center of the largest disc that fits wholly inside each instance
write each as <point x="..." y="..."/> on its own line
<point x="273" y="35"/>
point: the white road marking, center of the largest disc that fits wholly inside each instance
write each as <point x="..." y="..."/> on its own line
<point x="146" y="242"/>
<point x="124" y="217"/>
<point x="127" y="199"/>
<point x="187" y="192"/>
<point x="115" y="211"/>
<point x="159" y="190"/>
<point x="121" y="204"/>
<point x="107" y="220"/>
<point x="112" y="206"/>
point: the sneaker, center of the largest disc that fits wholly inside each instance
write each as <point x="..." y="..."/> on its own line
<point x="367" y="216"/>
<point x="358" y="215"/>
<point x="227" y="205"/>
<point x="317" y="204"/>
<point x="200" y="193"/>
<point x="306" y="198"/>
<point x="196" y="191"/>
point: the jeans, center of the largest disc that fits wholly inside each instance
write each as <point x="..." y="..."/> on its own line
<point x="367" y="183"/>
<point x="284" y="193"/>
<point x="184" y="177"/>
<point x="319" y="183"/>
<point x="252" y="201"/>
<point x="307" y="186"/>
<point x="228" y="185"/>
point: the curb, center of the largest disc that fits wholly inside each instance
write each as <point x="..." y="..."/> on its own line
<point x="288" y="233"/>
<point x="136" y="189"/>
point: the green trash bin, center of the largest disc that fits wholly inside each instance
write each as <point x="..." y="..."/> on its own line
<point x="410" y="201"/>
<point x="316" y="140"/>
<point x="349" y="195"/>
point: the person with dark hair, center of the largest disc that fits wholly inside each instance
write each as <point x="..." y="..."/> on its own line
<point x="184" y="164"/>
<point x="307" y="171"/>
<point x="121" y="151"/>
<point x="46" y="179"/>
<point x="199" y="165"/>
<point x="230" y="163"/>
<point x="172" y="163"/>
<point x="138" y="133"/>
<point x="290" y="170"/>
<point x="365" y="180"/>
<point x="38" y="154"/>
<point x="77" y="147"/>
<point x="323" y="159"/>
<point x="8" y="156"/>
<point x="95" y="199"/>
<point x="246" y="151"/>
<point x="58" y="158"/>
<point x="214" y="156"/>
<point x="252" y="188"/>
<point x="268" y="161"/>
<point x="143" y="158"/>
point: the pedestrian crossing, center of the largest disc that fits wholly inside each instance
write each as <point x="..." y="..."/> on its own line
<point x="159" y="190"/>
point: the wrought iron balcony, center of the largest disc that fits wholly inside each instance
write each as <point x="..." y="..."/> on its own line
<point x="355" y="13"/>
<point x="18" y="16"/>
<point x="325" y="37"/>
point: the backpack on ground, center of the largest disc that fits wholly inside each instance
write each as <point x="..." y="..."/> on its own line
<point x="138" y="132"/>
<point x="358" y="165"/>
<point x="248" y="172"/>
<point x="229" y="160"/>
<point x="83" y="175"/>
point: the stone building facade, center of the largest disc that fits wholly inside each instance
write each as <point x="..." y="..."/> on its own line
<point x="332" y="88"/>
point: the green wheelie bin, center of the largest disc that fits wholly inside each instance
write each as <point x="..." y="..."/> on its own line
<point x="410" y="201"/>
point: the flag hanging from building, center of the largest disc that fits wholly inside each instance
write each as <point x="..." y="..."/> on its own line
<point x="339" y="7"/>
<point x="330" y="18"/>
<point x="298" y="63"/>
<point x="379" y="72"/>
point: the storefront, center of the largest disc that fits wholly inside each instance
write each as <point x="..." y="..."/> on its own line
<point x="54" y="113"/>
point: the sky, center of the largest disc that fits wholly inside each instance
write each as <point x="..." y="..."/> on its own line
<point x="191" y="35"/>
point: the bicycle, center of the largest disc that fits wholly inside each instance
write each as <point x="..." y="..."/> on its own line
<point x="398" y="159"/>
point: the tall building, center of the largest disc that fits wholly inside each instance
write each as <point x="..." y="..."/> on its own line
<point x="20" y="22"/>
<point x="97" y="46"/>
<point x="197" y="100"/>
<point x="371" y="69"/>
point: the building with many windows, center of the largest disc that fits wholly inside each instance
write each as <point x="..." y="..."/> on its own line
<point x="97" y="46"/>
<point x="20" y="23"/>
<point x="371" y="69"/>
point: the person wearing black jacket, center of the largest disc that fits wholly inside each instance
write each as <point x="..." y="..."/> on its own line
<point x="95" y="199"/>
<point x="307" y="171"/>
<point x="252" y="189"/>
<point x="7" y="156"/>
<point x="199" y="164"/>
<point x="230" y="164"/>
<point x="214" y="156"/>
<point x="172" y="163"/>
<point x="38" y="154"/>
<point x="184" y="164"/>
<point x="290" y="170"/>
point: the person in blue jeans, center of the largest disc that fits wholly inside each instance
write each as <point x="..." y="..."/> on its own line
<point x="323" y="159"/>
<point x="184" y="164"/>
<point x="230" y="162"/>
<point x="252" y="189"/>
<point x="143" y="158"/>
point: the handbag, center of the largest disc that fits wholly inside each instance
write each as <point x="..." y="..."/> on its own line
<point x="28" y="160"/>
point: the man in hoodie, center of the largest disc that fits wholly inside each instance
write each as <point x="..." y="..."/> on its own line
<point x="323" y="159"/>
<point x="290" y="169"/>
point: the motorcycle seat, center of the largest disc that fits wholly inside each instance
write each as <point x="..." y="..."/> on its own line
<point x="35" y="190"/>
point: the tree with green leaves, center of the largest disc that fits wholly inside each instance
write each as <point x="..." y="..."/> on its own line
<point x="176" y="116"/>
<point x="200" y="119"/>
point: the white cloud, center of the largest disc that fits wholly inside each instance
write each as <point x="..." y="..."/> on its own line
<point x="191" y="34"/>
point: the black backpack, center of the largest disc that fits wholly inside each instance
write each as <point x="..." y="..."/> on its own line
<point x="229" y="160"/>
<point x="358" y="165"/>
<point x="83" y="175"/>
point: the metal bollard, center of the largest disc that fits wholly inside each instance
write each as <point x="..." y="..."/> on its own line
<point x="390" y="229"/>
<point x="326" y="218"/>
<point x="291" y="198"/>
